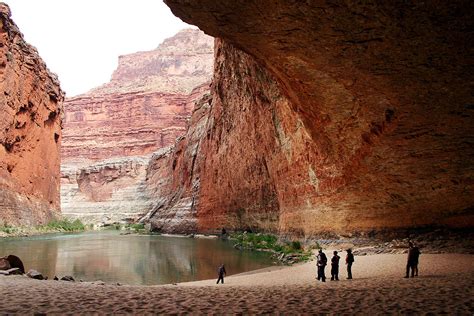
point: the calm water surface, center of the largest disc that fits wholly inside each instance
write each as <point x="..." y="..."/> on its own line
<point x="130" y="259"/>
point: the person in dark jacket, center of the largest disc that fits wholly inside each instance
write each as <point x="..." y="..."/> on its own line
<point x="221" y="271"/>
<point x="335" y="267"/>
<point x="349" y="262"/>
<point x="322" y="261"/>
<point x="416" y="256"/>
<point x="412" y="260"/>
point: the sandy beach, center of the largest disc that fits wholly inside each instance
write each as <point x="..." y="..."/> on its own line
<point x="445" y="285"/>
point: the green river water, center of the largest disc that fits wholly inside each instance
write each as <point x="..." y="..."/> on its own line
<point x="131" y="259"/>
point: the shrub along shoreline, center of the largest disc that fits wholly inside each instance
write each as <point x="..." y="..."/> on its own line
<point x="55" y="226"/>
<point x="287" y="252"/>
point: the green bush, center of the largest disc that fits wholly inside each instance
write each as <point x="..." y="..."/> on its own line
<point x="65" y="225"/>
<point x="296" y="245"/>
<point x="270" y="242"/>
<point x="278" y="248"/>
<point x="137" y="227"/>
<point x="256" y="241"/>
<point x="8" y="229"/>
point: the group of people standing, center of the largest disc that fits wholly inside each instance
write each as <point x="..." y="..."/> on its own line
<point x="321" y="261"/>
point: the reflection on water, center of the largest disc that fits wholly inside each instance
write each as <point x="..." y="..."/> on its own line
<point x="130" y="259"/>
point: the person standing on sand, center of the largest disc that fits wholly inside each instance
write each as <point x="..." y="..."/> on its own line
<point x="221" y="271"/>
<point x="412" y="260"/>
<point x="349" y="262"/>
<point x="416" y="256"/>
<point x="335" y="267"/>
<point x="322" y="260"/>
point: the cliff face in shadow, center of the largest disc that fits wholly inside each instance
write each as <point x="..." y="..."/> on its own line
<point x="335" y="117"/>
<point x="30" y="130"/>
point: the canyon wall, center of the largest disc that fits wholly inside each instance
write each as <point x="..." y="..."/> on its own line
<point x="121" y="124"/>
<point x="145" y="105"/>
<point x="30" y="131"/>
<point x="174" y="176"/>
<point x="177" y="65"/>
<point x="111" y="132"/>
<point x="332" y="117"/>
<point x="108" y="191"/>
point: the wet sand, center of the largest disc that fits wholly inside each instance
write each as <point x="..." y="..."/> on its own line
<point x="445" y="285"/>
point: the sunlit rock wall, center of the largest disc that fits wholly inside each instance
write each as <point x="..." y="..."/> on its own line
<point x="97" y="189"/>
<point x="145" y="105"/>
<point x="109" y="191"/>
<point x="30" y="131"/>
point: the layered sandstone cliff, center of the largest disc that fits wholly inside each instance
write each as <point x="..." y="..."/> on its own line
<point x="145" y="105"/>
<point x="30" y="130"/>
<point x="173" y="176"/>
<point x="177" y="65"/>
<point x="337" y="117"/>
<point x="98" y="127"/>
<point x="144" y="108"/>
<point x="117" y="188"/>
<point x="109" y="191"/>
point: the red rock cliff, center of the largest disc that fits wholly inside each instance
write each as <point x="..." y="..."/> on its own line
<point x="144" y="107"/>
<point x="179" y="64"/>
<point x="174" y="176"/>
<point x="111" y="132"/>
<point x="30" y="130"/>
<point x="339" y="117"/>
<point x="122" y="124"/>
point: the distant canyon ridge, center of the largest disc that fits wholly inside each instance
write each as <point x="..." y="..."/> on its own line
<point x="111" y="132"/>
<point x="303" y="120"/>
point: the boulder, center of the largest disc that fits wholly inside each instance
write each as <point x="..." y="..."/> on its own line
<point x="67" y="278"/>
<point x="4" y="264"/>
<point x="10" y="271"/>
<point x="35" y="275"/>
<point x="14" y="271"/>
<point x="15" y="262"/>
<point x="11" y="261"/>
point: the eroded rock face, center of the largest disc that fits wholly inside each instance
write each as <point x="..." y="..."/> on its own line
<point x="145" y="105"/>
<point x="342" y="117"/>
<point x="174" y="175"/>
<point x="111" y="132"/>
<point x="30" y="130"/>
<point x="177" y="65"/>
<point x="118" y="188"/>
<point x="108" y="191"/>
<point x="122" y="124"/>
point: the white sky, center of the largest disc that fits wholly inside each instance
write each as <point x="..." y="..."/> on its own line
<point x="80" y="40"/>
